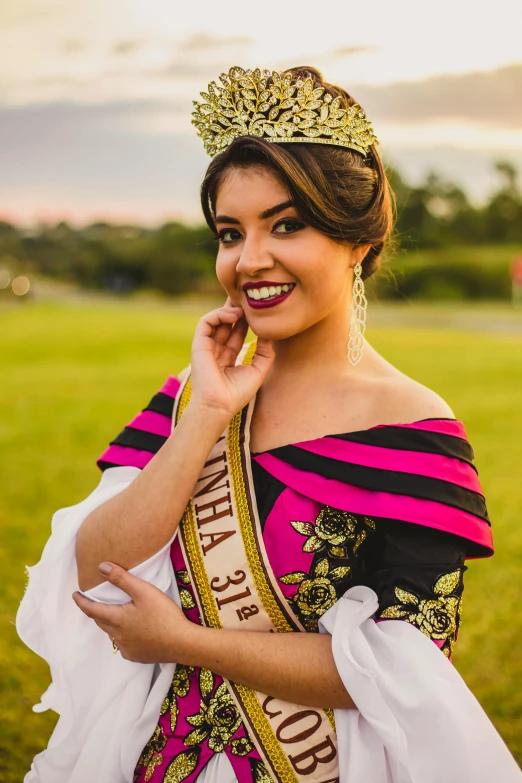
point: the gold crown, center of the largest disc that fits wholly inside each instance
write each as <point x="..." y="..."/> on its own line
<point x="282" y="112"/>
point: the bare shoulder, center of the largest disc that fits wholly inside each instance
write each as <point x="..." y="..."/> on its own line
<point x="404" y="400"/>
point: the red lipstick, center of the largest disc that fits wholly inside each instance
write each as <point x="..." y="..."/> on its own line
<point x="260" y="304"/>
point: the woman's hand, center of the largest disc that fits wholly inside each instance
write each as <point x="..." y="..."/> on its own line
<point x="151" y="628"/>
<point x="217" y="383"/>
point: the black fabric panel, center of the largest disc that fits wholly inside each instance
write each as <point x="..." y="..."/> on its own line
<point x="404" y="439"/>
<point x="161" y="403"/>
<point x="412" y="558"/>
<point x="385" y="480"/>
<point x="138" y="439"/>
<point x="103" y="465"/>
<point x="267" y="489"/>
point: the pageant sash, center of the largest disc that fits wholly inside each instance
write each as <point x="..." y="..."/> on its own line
<point x="235" y="588"/>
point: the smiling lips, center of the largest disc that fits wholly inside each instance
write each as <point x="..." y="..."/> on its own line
<point x="266" y="294"/>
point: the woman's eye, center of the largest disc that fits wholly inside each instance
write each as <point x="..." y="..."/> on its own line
<point x="227" y="235"/>
<point x="287" y="226"/>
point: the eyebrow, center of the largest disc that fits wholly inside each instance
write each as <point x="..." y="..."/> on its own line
<point x="263" y="216"/>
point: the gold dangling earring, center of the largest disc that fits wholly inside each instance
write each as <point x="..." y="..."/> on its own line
<point x="357" y="318"/>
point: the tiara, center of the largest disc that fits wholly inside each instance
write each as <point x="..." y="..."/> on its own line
<point x="281" y="112"/>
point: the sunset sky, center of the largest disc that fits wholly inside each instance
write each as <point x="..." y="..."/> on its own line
<point x="96" y="95"/>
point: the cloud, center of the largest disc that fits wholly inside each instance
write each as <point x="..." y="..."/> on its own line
<point x="483" y="97"/>
<point x="201" y="55"/>
<point x="25" y="12"/>
<point x="181" y="68"/>
<point x="65" y="159"/>
<point x="351" y="51"/>
<point x="110" y="159"/>
<point x="73" y="45"/>
<point x="126" y="46"/>
<point x="204" y="42"/>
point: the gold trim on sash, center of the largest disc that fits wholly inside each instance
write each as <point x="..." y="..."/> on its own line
<point x="268" y="610"/>
<point x="204" y="597"/>
<point x="279" y="621"/>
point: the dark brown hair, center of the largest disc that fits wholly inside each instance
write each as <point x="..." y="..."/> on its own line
<point x="335" y="190"/>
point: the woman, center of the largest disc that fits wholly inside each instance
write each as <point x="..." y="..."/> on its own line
<point x="276" y="548"/>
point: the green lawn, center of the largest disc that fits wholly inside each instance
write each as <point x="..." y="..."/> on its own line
<point x="72" y="376"/>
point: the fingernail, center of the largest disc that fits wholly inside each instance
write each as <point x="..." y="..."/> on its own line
<point x="105" y="568"/>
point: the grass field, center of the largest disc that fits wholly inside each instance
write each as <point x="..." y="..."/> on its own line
<point x="73" y="375"/>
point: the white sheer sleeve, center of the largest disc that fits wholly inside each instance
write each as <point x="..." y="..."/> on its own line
<point x="108" y="706"/>
<point x="416" y="720"/>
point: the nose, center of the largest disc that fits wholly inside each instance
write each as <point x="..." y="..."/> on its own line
<point x="253" y="258"/>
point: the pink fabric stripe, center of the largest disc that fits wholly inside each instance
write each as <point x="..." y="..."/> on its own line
<point x="444" y="427"/>
<point x="171" y="386"/>
<point x="124" y="455"/>
<point x="380" y="504"/>
<point x="150" y="421"/>
<point x="416" y="462"/>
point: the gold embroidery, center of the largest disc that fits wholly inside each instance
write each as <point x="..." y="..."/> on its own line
<point x="151" y="755"/>
<point x="174" y="712"/>
<point x="274" y="751"/>
<point x="219" y="718"/>
<point x="183" y="577"/>
<point x="241" y="746"/>
<point x="182" y="766"/>
<point x="181" y="679"/>
<point x="187" y="602"/>
<point x="189" y="532"/>
<point x="208" y="605"/>
<point x="206" y="682"/>
<point x="437" y="618"/>
<point x="260" y="774"/>
<point x="331" y="530"/>
<point x="315" y="595"/>
<point x="179" y="688"/>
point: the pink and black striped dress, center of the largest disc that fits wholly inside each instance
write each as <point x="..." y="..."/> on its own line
<point x="398" y="508"/>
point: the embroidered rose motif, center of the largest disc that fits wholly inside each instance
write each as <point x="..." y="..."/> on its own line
<point x="332" y="530"/>
<point x="241" y="746"/>
<point x="218" y="720"/>
<point x="437" y="617"/>
<point x="316" y="593"/>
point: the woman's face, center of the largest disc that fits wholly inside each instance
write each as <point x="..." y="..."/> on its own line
<point x="262" y="239"/>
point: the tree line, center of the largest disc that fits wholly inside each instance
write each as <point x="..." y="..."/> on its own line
<point x="435" y="223"/>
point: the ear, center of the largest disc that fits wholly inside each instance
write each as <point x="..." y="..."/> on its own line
<point x="359" y="253"/>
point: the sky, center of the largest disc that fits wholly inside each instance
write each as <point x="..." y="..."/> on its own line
<point x="96" y="95"/>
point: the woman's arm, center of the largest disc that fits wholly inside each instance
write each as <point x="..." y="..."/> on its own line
<point x="142" y="519"/>
<point x="137" y="523"/>
<point x="152" y="628"/>
<point x="295" y="667"/>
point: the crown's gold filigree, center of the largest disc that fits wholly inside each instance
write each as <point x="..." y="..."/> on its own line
<point x="284" y="111"/>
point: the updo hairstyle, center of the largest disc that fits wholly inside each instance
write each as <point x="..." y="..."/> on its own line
<point x="335" y="190"/>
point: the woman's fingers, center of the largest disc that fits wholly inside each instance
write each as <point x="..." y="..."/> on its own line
<point x="225" y="315"/>
<point x="204" y="335"/>
<point x="222" y="333"/>
<point x="97" y="611"/>
<point x="237" y="335"/>
<point x="263" y="357"/>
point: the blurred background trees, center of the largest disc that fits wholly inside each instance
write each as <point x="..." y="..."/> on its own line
<point x="445" y="247"/>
